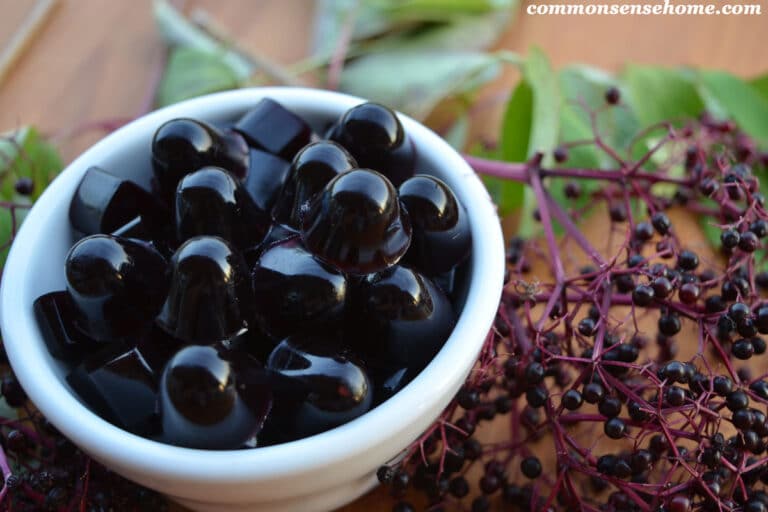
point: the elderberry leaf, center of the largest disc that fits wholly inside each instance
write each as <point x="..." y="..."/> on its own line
<point x="461" y="25"/>
<point x="458" y="134"/>
<point x="530" y="125"/>
<point x="659" y="95"/>
<point x="24" y="153"/>
<point x="422" y="80"/>
<point x="711" y="232"/>
<point x="515" y="134"/>
<point x="178" y="31"/>
<point x="760" y="84"/>
<point x="739" y="101"/>
<point x="193" y="73"/>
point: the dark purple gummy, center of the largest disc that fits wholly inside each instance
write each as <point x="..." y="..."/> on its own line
<point x="103" y="203"/>
<point x="116" y="284"/>
<point x="55" y="315"/>
<point x="265" y="180"/>
<point x="357" y="223"/>
<point x="295" y="291"/>
<point x="182" y="146"/>
<point x="403" y="318"/>
<point x="373" y="134"/>
<point x="210" y="202"/>
<point x="441" y="235"/>
<point x="210" y="296"/>
<point x="312" y="168"/>
<point x="200" y="406"/>
<point x="338" y="389"/>
<point x="119" y="385"/>
<point x="273" y="128"/>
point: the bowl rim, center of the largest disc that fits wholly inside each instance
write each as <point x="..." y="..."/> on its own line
<point x="101" y="439"/>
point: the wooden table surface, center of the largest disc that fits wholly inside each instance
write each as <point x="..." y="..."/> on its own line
<point x="94" y="59"/>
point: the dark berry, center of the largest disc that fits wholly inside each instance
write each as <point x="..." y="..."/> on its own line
<point x="12" y="391"/>
<point x="722" y="385"/>
<point x="536" y="397"/>
<point x="618" y="212"/>
<point x="736" y="400"/>
<point x="742" y="349"/>
<point x="729" y="238"/>
<point x="714" y="304"/>
<point x="708" y="186"/>
<point x="534" y="373"/>
<point x="610" y="407"/>
<point x="615" y="428"/>
<point x="749" y="242"/>
<point x="661" y="222"/>
<point x="459" y="487"/>
<point x="468" y="398"/>
<point x="642" y="295"/>
<point x="384" y="474"/>
<point x="530" y="467"/>
<point x="746" y="328"/>
<point x="560" y="154"/>
<point x="687" y="260"/>
<point x="738" y="311"/>
<point x="572" y="399"/>
<point x="689" y="293"/>
<point x="758" y="345"/>
<point x="743" y="419"/>
<point x="588" y="326"/>
<point x="675" y="396"/>
<point x="24" y="186"/>
<point x="612" y="96"/>
<point x="593" y="392"/>
<point x="759" y="228"/>
<point x="662" y="287"/>
<point x="669" y="324"/>
<point x="643" y="231"/>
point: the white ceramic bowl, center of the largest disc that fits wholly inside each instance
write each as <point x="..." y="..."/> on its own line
<point x="317" y="473"/>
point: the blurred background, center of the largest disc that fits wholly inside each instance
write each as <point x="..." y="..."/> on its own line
<point x="93" y="61"/>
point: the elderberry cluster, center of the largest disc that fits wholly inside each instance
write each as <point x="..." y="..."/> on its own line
<point x="623" y="373"/>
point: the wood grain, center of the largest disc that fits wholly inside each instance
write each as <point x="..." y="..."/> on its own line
<point x="94" y="60"/>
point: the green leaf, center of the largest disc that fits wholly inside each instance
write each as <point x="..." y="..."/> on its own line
<point x="530" y="125"/>
<point x="516" y="124"/>
<point x="23" y="154"/>
<point x="458" y="134"/>
<point x="193" y="73"/>
<point x="176" y="30"/>
<point x="440" y="10"/>
<point x="515" y="135"/>
<point x="658" y="94"/>
<point x="741" y="102"/>
<point x="711" y="232"/>
<point x="760" y="84"/>
<point x="415" y="82"/>
<point x="331" y="15"/>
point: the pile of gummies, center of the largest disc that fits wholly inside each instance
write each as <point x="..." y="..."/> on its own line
<point x="268" y="285"/>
